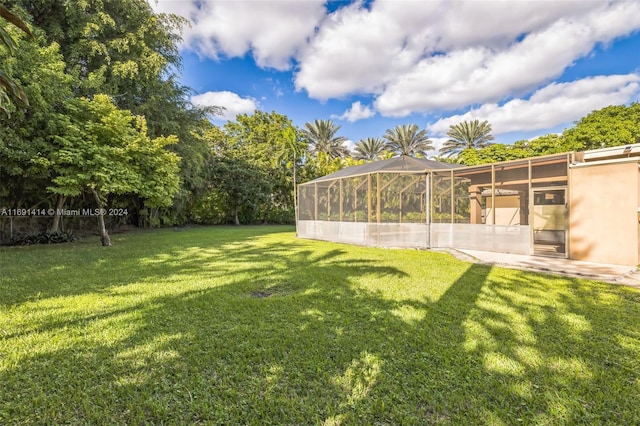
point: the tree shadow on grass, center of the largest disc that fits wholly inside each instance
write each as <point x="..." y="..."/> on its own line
<point x="29" y="273"/>
<point x="551" y="352"/>
<point x="316" y="337"/>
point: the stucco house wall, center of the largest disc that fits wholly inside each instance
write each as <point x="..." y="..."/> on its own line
<point x="603" y="212"/>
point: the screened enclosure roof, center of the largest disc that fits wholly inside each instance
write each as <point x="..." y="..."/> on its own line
<point x="402" y="164"/>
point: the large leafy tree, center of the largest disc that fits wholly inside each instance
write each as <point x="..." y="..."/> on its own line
<point x="492" y="154"/>
<point x="8" y="86"/>
<point x="321" y="135"/>
<point x="118" y="47"/>
<point x="106" y="150"/>
<point x="268" y="146"/>
<point x="543" y="145"/>
<point x="408" y="139"/>
<point x="610" y="126"/>
<point x="173" y="113"/>
<point x="27" y="137"/>
<point x="467" y="135"/>
<point x="124" y="49"/>
<point x="255" y="137"/>
<point x="242" y="186"/>
<point x="370" y="149"/>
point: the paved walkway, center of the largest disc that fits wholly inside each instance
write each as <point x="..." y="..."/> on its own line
<point x="617" y="274"/>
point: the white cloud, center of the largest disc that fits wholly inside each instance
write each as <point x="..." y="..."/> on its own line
<point x="412" y="56"/>
<point x="272" y="31"/>
<point x="232" y="103"/>
<point x="390" y="46"/>
<point x="429" y="56"/>
<point x="358" y="50"/>
<point x="356" y="112"/>
<point x="480" y="74"/>
<point x="437" y="143"/>
<point x="553" y="105"/>
<point x="351" y="145"/>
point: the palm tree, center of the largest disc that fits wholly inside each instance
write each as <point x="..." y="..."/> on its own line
<point x="408" y="140"/>
<point x="7" y="85"/>
<point x="321" y="135"/>
<point x="369" y="149"/>
<point x="467" y="135"/>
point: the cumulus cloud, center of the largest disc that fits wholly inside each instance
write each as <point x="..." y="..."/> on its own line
<point x="232" y="103"/>
<point x="412" y="56"/>
<point x="435" y="56"/>
<point x="480" y="74"/>
<point x="358" y="50"/>
<point x="272" y="31"/>
<point x="437" y="143"/>
<point x="351" y="145"/>
<point x="356" y="112"/>
<point x="552" y="105"/>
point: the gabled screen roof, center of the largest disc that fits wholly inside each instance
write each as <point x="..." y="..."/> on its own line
<point x="402" y="164"/>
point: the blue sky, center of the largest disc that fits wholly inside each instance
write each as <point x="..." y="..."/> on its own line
<point x="528" y="67"/>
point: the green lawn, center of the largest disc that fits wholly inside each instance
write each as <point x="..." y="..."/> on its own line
<point x="253" y="326"/>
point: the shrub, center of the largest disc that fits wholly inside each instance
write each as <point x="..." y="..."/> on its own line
<point x="45" y="238"/>
<point x="281" y="217"/>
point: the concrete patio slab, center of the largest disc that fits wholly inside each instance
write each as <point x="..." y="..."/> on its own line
<point x="616" y="274"/>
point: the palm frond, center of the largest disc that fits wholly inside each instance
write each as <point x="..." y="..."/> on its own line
<point x="15" y="20"/>
<point x="7" y="85"/>
<point x="467" y="135"/>
<point x="321" y="136"/>
<point x="408" y="139"/>
<point x="369" y="149"/>
<point x="10" y="87"/>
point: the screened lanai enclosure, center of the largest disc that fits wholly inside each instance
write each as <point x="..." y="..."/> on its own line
<point x="383" y="203"/>
<point x="513" y="207"/>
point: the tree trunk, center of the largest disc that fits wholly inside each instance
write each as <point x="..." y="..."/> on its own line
<point x="235" y="216"/>
<point x="56" y="217"/>
<point x="104" y="235"/>
<point x="139" y="213"/>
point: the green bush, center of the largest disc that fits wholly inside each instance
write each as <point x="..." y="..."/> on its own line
<point x="414" y="217"/>
<point x="281" y="217"/>
<point x="212" y="209"/>
<point x="389" y="217"/>
<point x="45" y="237"/>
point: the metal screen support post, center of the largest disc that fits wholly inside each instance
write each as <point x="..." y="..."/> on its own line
<point x="378" y="197"/>
<point x="427" y="206"/>
<point x="369" y="201"/>
<point x="355" y="204"/>
<point x="530" y="207"/>
<point x="329" y="203"/>
<point x="493" y="195"/>
<point x="315" y="201"/>
<point x="341" y="200"/>
<point x="453" y="190"/>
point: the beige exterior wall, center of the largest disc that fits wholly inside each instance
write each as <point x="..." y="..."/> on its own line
<point x="603" y="213"/>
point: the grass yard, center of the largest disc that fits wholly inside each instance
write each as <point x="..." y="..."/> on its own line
<point x="253" y="326"/>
